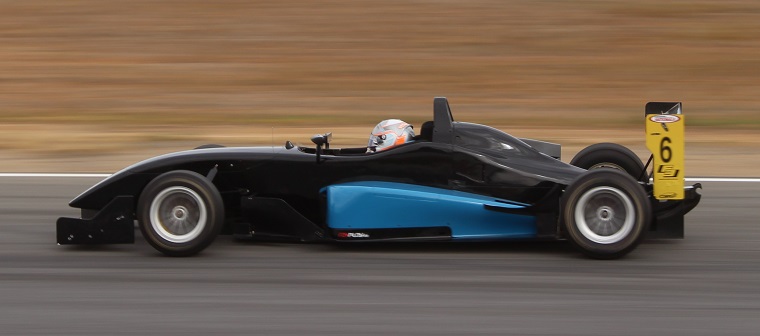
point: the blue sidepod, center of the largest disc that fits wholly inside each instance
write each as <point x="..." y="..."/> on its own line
<point x="357" y="206"/>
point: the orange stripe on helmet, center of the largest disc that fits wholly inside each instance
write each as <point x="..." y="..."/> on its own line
<point x="400" y="140"/>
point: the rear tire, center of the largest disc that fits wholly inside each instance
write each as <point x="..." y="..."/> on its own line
<point x="610" y="155"/>
<point x="180" y="213"/>
<point x="605" y="213"/>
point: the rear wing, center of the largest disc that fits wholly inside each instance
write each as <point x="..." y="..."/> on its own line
<point x="665" y="139"/>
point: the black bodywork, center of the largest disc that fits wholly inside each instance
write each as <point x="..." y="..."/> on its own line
<point x="274" y="192"/>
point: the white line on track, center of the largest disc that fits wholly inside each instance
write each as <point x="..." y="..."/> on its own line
<point x="51" y="175"/>
<point x="722" y="179"/>
<point x="73" y="175"/>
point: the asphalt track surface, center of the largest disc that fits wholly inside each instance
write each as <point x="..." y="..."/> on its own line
<point x="707" y="284"/>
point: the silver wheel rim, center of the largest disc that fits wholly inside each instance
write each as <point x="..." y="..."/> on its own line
<point x="178" y="214"/>
<point x="604" y="215"/>
<point x="606" y="165"/>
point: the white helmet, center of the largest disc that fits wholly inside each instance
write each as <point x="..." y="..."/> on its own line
<point x="388" y="134"/>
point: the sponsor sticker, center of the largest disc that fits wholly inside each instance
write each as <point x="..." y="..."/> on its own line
<point x="664" y="118"/>
<point x="668" y="171"/>
<point x="667" y="195"/>
<point x="352" y="235"/>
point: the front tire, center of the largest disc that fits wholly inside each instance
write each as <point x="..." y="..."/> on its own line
<point x="180" y="213"/>
<point x="605" y="213"/>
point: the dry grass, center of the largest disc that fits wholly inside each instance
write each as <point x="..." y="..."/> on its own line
<point x="104" y="77"/>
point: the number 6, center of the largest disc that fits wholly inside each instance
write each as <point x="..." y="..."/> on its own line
<point x="665" y="153"/>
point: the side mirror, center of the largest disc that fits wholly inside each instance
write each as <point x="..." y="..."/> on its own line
<point x="321" y="140"/>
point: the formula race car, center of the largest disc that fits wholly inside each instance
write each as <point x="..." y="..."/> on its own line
<point x="455" y="181"/>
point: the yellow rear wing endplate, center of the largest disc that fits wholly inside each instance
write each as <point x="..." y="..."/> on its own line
<point x="665" y="139"/>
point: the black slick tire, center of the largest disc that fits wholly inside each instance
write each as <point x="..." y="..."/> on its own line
<point x="180" y="213"/>
<point x="605" y="213"/>
<point x="610" y="155"/>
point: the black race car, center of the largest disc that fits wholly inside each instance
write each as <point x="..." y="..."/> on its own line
<point x="455" y="181"/>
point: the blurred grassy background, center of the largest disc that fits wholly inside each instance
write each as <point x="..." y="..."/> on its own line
<point x="96" y="77"/>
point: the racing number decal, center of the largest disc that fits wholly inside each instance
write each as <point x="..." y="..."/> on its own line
<point x="665" y="152"/>
<point x="665" y="139"/>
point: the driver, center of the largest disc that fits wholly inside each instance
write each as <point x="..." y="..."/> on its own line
<point x="388" y="134"/>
